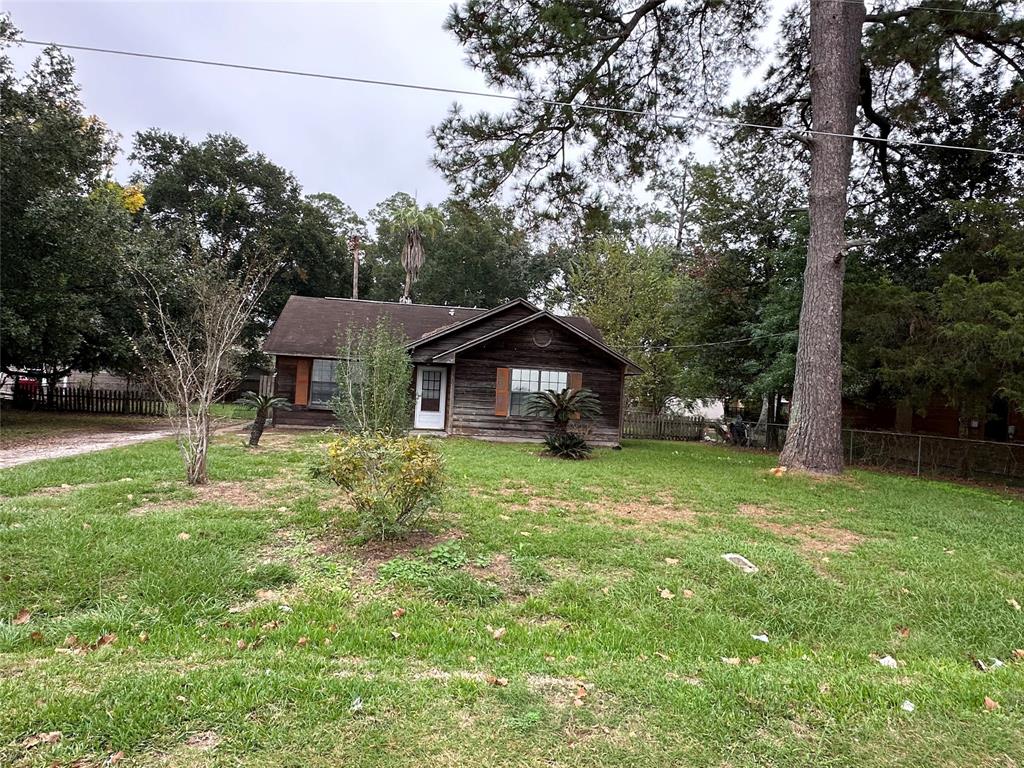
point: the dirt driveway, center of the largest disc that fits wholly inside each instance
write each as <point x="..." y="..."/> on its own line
<point x="67" y="445"/>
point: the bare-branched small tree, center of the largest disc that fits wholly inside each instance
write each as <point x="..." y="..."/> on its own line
<point x="194" y="308"/>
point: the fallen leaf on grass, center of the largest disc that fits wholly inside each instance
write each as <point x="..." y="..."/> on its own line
<point x="662" y="656"/>
<point x="778" y="471"/>
<point x="270" y="626"/>
<point x="183" y="536"/>
<point x="23" y="617"/>
<point x="395" y="635"/>
<point x="754" y="660"/>
<point x="115" y="758"/>
<point x="499" y="682"/>
<point x="1018" y="653"/>
<point x="991" y="704"/>
<point x="241" y="645"/>
<point x="49" y="737"/>
<point x="731" y="660"/>
<point x="904" y="631"/>
<point x="107" y="639"/>
<point x="1013" y="604"/>
<point x="398" y="613"/>
<point x="143" y="637"/>
<point x="666" y="595"/>
<point x="498" y="633"/>
<point x="581" y="694"/>
<point x="671" y="561"/>
<point x="36" y="636"/>
<point x="302" y="642"/>
<point x="688" y="593"/>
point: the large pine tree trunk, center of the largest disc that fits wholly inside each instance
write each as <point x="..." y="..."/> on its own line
<point x="814" y="438"/>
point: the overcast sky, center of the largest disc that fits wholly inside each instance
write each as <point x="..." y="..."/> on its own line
<point x="360" y="142"/>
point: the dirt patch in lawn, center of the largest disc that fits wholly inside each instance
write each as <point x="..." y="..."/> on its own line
<point x="204" y="740"/>
<point x="560" y="692"/>
<point x="815" y="539"/>
<point x="247" y="495"/>
<point x="498" y="570"/>
<point x="662" y="511"/>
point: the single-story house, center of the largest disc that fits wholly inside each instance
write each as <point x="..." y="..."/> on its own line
<point x="474" y="369"/>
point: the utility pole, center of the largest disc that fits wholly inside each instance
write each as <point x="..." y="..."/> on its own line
<point x="353" y="246"/>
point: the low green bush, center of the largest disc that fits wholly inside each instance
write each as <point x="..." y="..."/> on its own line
<point x="567" y="445"/>
<point x="393" y="481"/>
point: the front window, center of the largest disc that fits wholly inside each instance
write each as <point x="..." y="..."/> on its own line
<point x="526" y="381"/>
<point x="324" y="383"/>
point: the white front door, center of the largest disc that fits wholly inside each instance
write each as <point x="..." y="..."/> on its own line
<point x="431" y="386"/>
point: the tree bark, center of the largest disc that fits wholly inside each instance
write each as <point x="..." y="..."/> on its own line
<point x="258" y="425"/>
<point x="814" y="437"/>
<point x="196" y="463"/>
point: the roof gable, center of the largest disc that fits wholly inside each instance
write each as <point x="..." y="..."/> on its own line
<point x="451" y="355"/>
<point x="462" y="327"/>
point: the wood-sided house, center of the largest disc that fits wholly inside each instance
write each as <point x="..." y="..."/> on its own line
<point x="474" y="368"/>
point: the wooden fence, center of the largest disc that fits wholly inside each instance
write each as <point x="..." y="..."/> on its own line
<point x="85" y="400"/>
<point x="651" y="426"/>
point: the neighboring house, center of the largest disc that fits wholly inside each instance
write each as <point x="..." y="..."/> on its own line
<point x="1003" y="422"/>
<point x="474" y="368"/>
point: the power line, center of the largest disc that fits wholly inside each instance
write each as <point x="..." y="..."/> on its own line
<point x="914" y="8"/>
<point x="785" y="129"/>
<point x="716" y="343"/>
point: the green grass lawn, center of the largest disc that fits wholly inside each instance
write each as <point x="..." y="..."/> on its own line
<point x="569" y="614"/>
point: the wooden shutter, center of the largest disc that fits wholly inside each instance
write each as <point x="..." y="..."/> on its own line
<point x="303" y="371"/>
<point x="575" y="382"/>
<point x="502" y="395"/>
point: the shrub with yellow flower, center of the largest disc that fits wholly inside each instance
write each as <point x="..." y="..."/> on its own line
<point x="392" y="481"/>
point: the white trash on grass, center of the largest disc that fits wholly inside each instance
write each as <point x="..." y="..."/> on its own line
<point x="740" y="562"/>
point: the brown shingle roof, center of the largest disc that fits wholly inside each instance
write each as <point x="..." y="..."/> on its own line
<point x="311" y="327"/>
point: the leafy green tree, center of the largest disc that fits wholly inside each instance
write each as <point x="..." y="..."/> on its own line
<point x="235" y="203"/>
<point x="478" y="256"/>
<point x="633" y="296"/>
<point x="63" y="298"/>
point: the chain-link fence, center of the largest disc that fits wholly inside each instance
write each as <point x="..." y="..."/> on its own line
<point x="896" y="451"/>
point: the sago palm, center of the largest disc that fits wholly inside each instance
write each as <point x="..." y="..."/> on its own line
<point x="263" y="405"/>
<point x="563" y="406"/>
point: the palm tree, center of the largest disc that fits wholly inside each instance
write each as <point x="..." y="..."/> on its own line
<point x="416" y="223"/>
<point x="263" y="405"/>
<point x="563" y="406"/>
